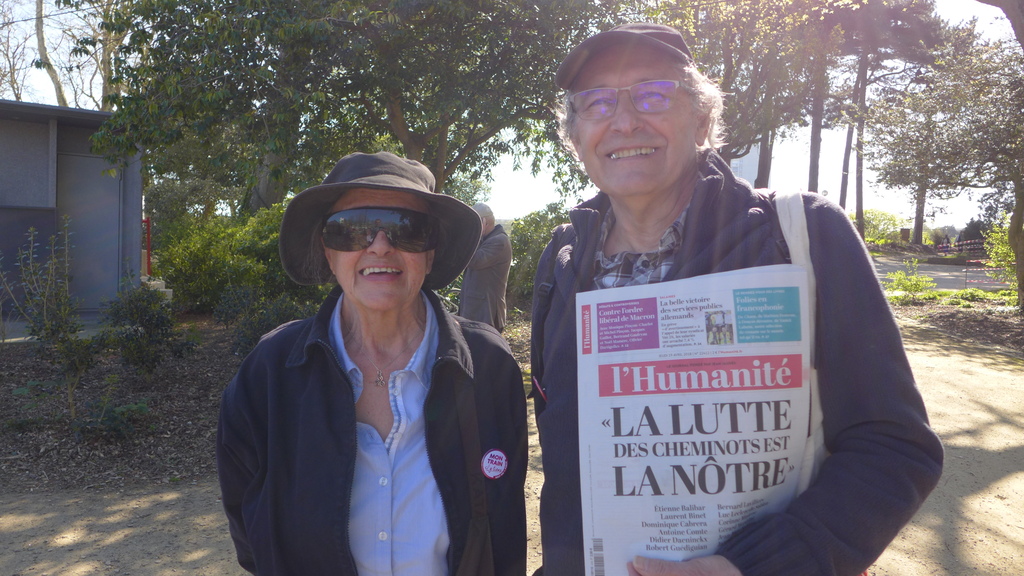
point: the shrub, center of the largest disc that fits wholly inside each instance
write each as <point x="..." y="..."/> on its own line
<point x="51" y="312"/>
<point x="105" y="416"/>
<point x="909" y="282"/>
<point x="202" y="263"/>
<point x="530" y="235"/>
<point x="235" y="301"/>
<point x="1000" y="253"/>
<point x="882" y="227"/>
<point x="971" y="295"/>
<point x="140" y="327"/>
<point x="450" y="295"/>
<point x="203" y="260"/>
<point x="265" y="315"/>
<point x="42" y="292"/>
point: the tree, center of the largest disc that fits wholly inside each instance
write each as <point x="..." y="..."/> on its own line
<point x="758" y="53"/>
<point x="884" y="37"/>
<point x="468" y="190"/>
<point x="90" y="61"/>
<point x="14" y="60"/>
<point x="966" y="110"/>
<point x="44" y="57"/>
<point x="993" y="137"/>
<point x="916" y="128"/>
<point x="306" y="83"/>
<point x="69" y="45"/>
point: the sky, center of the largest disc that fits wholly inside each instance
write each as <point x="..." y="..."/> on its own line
<point x="517" y="193"/>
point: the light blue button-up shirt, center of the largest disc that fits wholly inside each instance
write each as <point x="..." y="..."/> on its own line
<point x="397" y="526"/>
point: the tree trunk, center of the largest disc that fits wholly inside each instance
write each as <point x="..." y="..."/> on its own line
<point x="817" y="119"/>
<point x="858" y="88"/>
<point x="862" y="81"/>
<point x="44" y="56"/>
<point x="817" y="112"/>
<point x="764" y="160"/>
<point x="845" y="185"/>
<point x="1015" y="235"/>
<point x="920" y="198"/>
<point x="268" y="190"/>
<point x="860" y="178"/>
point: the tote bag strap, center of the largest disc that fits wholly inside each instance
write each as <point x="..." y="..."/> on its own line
<point x="793" y="221"/>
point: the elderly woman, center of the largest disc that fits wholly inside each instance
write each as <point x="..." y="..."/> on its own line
<point x="383" y="435"/>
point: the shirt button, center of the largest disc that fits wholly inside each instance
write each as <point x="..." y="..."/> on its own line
<point x="383" y="480"/>
<point x="382" y="536"/>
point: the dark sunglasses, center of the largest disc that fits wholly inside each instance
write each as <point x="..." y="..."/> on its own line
<point x="407" y="230"/>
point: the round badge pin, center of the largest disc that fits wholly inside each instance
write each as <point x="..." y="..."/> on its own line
<point x="494" y="464"/>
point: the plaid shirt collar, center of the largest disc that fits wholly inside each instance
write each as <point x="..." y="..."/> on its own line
<point x="633" y="268"/>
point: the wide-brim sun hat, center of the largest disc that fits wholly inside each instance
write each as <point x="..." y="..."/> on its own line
<point x="657" y="36"/>
<point x="300" y="246"/>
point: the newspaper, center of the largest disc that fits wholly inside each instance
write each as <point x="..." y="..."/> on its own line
<point x="694" y="402"/>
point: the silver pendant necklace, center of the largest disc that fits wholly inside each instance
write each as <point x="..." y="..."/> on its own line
<point x="379" y="381"/>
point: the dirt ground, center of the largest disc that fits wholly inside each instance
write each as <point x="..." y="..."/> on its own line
<point x="971" y="525"/>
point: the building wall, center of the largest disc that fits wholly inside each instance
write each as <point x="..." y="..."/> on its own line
<point x="24" y="164"/>
<point x="48" y="171"/>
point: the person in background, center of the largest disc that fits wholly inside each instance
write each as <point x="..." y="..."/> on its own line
<point x="486" y="278"/>
<point x="383" y="435"/>
<point x="645" y="123"/>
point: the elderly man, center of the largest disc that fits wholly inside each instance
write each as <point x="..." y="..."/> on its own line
<point x="486" y="277"/>
<point x="645" y="124"/>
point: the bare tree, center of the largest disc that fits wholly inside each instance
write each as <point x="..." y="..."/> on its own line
<point x="15" y="62"/>
<point x="44" y="56"/>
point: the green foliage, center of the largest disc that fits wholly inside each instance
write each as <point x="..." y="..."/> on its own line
<point x="908" y="283"/>
<point x="235" y="301"/>
<point x="1000" y="254"/>
<point x="204" y="259"/>
<point x="450" y="295"/>
<point x="298" y="85"/>
<point x="469" y="190"/>
<point x="970" y="295"/>
<point x="105" y="416"/>
<point x="140" y="327"/>
<point x="976" y="229"/>
<point x="768" y="89"/>
<point x="201" y="262"/>
<point x="919" y="126"/>
<point x="529" y="236"/>
<point x="34" y="392"/>
<point x="881" y="227"/>
<point x="259" y="317"/>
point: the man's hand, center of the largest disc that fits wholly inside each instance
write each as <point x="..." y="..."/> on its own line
<point x="706" y="566"/>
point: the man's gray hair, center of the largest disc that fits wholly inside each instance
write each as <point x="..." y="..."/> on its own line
<point x="484" y="211"/>
<point x="706" y="98"/>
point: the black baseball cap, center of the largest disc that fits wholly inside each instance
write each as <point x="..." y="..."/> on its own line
<point x="657" y="36"/>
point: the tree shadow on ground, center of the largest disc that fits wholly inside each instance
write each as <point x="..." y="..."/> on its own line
<point x="177" y="530"/>
<point x="971" y="523"/>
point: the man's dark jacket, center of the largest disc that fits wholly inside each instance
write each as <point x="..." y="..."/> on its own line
<point x="286" y="447"/>
<point x="885" y="458"/>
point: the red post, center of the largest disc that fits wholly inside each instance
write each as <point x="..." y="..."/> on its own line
<point x="149" y="248"/>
